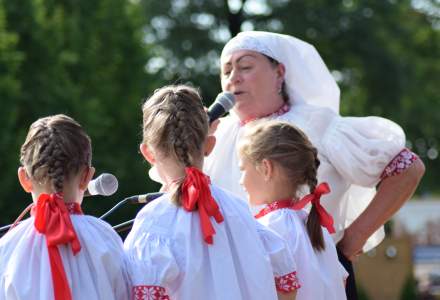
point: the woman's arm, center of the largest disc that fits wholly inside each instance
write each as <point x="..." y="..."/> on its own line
<point x="288" y="296"/>
<point x="392" y="193"/>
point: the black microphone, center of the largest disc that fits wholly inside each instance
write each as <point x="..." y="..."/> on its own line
<point x="222" y="104"/>
<point x="146" y="198"/>
<point x="105" y="185"/>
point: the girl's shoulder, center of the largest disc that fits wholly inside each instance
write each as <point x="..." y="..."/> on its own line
<point x="88" y="225"/>
<point x="288" y="223"/>
<point x="229" y="203"/>
<point x="285" y="215"/>
<point x="11" y="239"/>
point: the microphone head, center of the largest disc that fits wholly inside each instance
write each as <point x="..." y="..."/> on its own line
<point x="106" y="184"/>
<point x="225" y="99"/>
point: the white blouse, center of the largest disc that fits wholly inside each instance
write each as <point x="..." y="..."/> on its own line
<point x="169" y="257"/>
<point x="353" y="153"/>
<point x="98" y="271"/>
<point x="320" y="274"/>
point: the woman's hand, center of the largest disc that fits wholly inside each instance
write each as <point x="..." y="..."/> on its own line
<point x="351" y="244"/>
<point x="213" y="127"/>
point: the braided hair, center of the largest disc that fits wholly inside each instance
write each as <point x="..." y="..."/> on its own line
<point x="56" y="147"/>
<point x="288" y="147"/>
<point x="176" y="124"/>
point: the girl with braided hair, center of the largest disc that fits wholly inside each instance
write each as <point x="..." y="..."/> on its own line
<point x="59" y="253"/>
<point x="277" y="162"/>
<point x="197" y="241"/>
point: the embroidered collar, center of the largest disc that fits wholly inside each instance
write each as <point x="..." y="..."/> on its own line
<point x="279" y="204"/>
<point x="281" y="111"/>
<point x="74" y="208"/>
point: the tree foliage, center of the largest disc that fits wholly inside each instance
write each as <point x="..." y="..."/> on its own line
<point x="96" y="60"/>
<point x="82" y="58"/>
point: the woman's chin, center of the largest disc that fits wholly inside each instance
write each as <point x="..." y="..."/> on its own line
<point x="244" y="111"/>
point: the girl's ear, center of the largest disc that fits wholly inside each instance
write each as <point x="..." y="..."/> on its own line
<point x="209" y="144"/>
<point x="267" y="169"/>
<point x="147" y="154"/>
<point x="86" y="177"/>
<point x="25" y="181"/>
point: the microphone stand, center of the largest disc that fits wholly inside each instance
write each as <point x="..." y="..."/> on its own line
<point x="141" y="199"/>
<point x="119" y="204"/>
<point x="5" y="229"/>
<point x="124" y="226"/>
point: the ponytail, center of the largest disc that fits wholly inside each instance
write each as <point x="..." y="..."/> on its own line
<point x="313" y="224"/>
<point x="314" y="230"/>
<point x="318" y="216"/>
<point x="176" y="193"/>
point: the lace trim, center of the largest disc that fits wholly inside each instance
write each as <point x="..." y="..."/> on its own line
<point x="149" y="292"/>
<point x="281" y="111"/>
<point x="246" y="43"/>
<point x="287" y="283"/>
<point x="400" y="163"/>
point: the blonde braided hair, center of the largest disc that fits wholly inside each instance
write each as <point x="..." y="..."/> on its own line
<point x="176" y="124"/>
<point x="55" y="148"/>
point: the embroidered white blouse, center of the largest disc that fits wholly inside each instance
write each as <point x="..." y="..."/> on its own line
<point x="354" y="152"/>
<point x="170" y="260"/>
<point x="320" y="274"/>
<point x="98" y="271"/>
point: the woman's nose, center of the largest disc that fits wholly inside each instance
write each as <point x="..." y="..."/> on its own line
<point x="235" y="77"/>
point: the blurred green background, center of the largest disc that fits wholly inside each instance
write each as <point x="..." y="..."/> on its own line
<point x="97" y="60"/>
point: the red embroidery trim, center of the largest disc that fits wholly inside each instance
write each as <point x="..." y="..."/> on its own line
<point x="287" y="283"/>
<point x="400" y="163"/>
<point x="286" y="203"/>
<point x="281" y="111"/>
<point x="149" y="292"/>
<point x="325" y="218"/>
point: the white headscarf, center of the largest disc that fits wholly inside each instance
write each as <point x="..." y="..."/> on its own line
<point x="307" y="78"/>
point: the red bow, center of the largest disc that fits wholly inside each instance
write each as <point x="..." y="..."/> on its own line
<point x="325" y="218"/>
<point x="197" y="195"/>
<point x="53" y="220"/>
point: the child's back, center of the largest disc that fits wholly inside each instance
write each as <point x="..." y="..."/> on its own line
<point x="320" y="274"/>
<point x="166" y="249"/>
<point x="59" y="253"/>
<point x="96" y="272"/>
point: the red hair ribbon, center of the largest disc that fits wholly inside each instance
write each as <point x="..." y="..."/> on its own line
<point x="325" y="218"/>
<point x="197" y="195"/>
<point x="53" y="220"/>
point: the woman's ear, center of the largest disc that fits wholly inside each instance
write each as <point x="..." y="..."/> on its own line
<point x="25" y="181"/>
<point x="209" y="144"/>
<point x="147" y="154"/>
<point x="86" y="177"/>
<point x="281" y="72"/>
